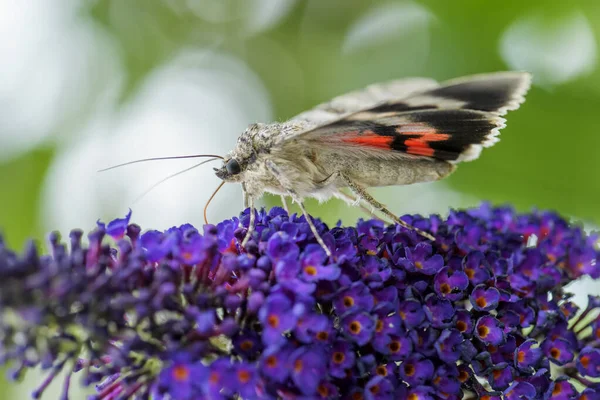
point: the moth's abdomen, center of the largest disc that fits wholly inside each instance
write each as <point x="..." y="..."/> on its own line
<point x="371" y="172"/>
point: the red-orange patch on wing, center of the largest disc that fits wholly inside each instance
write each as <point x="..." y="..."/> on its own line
<point x="369" y="139"/>
<point x="420" y="151"/>
<point x="420" y="146"/>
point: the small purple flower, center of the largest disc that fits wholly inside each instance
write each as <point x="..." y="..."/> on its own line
<point x="582" y="261"/>
<point x="484" y="298"/>
<point x="416" y="370"/>
<point x="277" y="318"/>
<point x="488" y="330"/>
<point x="590" y="394"/>
<point x="356" y="297"/>
<point x="342" y="358"/>
<point x="183" y="380"/>
<point x="422" y="260"/>
<point x="247" y="344"/>
<point x="313" y="265"/>
<point x="219" y="379"/>
<point x="312" y="327"/>
<point x="588" y="362"/>
<point x="463" y="322"/>
<point x="385" y="326"/>
<point x="358" y="327"/>
<point x="274" y="363"/>
<point x="451" y="284"/>
<point x="520" y="391"/>
<point x="558" y="350"/>
<point x="327" y="390"/>
<point x="421" y="393"/>
<point x="398" y="348"/>
<point x="476" y="267"/>
<point x="527" y="356"/>
<point x="411" y="312"/>
<point x="561" y="389"/>
<point x="282" y="247"/>
<point x="117" y="227"/>
<point x="448" y="345"/>
<point x="244" y="380"/>
<point x="386" y="299"/>
<point x="379" y="388"/>
<point x="388" y="371"/>
<point x="501" y="376"/>
<point x="439" y="311"/>
<point x="308" y="366"/>
<point x="375" y="271"/>
<point x="446" y="379"/>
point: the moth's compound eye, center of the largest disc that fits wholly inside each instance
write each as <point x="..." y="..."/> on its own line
<point x="233" y="167"/>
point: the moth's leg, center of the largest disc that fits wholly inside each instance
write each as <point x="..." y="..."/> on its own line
<point x="285" y="205"/>
<point x="246" y="202"/>
<point x="355" y="201"/>
<point x="313" y="228"/>
<point x="349" y="199"/>
<point x="245" y="194"/>
<point x="284" y="182"/>
<point x="364" y="195"/>
<point x="252" y="222"/>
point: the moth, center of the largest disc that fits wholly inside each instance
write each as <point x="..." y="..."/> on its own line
<point x="394" y="133"/>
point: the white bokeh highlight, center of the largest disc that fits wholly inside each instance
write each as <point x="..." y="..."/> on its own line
<point x="252" y="16"/>
<point x="555" y="50"/>
<point x="189" y="106"/>
<point x="54" y="70"/>
<point x="391" y="21"/>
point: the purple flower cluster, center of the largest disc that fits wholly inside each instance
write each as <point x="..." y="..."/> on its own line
<point x="481" y="313"/>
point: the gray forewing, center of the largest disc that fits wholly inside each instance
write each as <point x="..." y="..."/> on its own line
<point x="365" y="98"/>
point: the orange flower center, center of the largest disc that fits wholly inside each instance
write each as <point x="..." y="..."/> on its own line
<point x="394" y="346"/>
<point x="310" y="270"/>
<point x="483" y="331"/>
<point x="481" y="302"/>
<point x="338" y="357"/>
<point x="246" y="345"/>
<point x="445" y="288"/>
<point x="273" y="321"/>
<point x="348" y="301"/>
<point x="323" y="391"/>
<point x="355" y="327"/>
<point x="181" y="373"/>
<point x="243" y="376"/>
<point x="271" y="361"/>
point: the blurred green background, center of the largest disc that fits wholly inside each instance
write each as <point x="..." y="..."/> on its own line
<point x="88" y="84"/>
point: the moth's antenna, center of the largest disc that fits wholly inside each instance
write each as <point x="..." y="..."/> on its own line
<point x="214" y="156"/>
<point x="172" y="176"/>
<point x="210" y="199"/>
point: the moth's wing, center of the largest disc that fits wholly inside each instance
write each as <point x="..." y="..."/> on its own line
<point x="452" y="122"/>
<point x="495" y="93"/>
<point x="364" y="98"/>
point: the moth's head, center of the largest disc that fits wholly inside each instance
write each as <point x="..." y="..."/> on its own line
<point x="240" y="158"/>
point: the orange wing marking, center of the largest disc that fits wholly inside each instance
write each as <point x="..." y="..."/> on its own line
<point x="368" y="139"/>
<point x="420" y="146"/>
